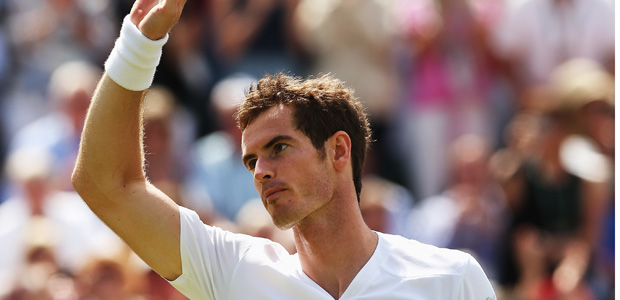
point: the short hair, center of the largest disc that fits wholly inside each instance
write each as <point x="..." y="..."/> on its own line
<point x="322" y="107"/>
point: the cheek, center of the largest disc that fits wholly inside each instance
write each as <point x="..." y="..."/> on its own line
<point x="307" y="174"/>
<point x="317" y="181"/>
<point x="257" y="185"/>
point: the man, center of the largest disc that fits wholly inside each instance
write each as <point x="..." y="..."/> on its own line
<point x="304" y="142"/>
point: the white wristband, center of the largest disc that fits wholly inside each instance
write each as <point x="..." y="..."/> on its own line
<point x="134" y="58"/>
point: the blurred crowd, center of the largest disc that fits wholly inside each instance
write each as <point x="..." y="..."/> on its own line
<point x="493" y="120"/>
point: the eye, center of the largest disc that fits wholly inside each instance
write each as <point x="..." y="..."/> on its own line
<point x="251" y="164"/>
<point x="280" y="147"/>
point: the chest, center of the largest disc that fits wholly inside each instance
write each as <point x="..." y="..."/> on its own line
<point x="257" y="282"/>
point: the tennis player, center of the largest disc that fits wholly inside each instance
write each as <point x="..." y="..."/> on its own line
<point x="304" y="141"/>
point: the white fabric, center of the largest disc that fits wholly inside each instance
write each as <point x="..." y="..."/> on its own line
<point x="134" y="58"/>
<point x="221" y="265"/>
<point x="580" y="156"/>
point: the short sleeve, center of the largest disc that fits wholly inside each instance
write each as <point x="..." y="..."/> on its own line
<point x="476" y="285"/>
<point x="209" y="256"/>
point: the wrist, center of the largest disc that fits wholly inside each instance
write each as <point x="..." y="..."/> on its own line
<point x="133" y="60"/>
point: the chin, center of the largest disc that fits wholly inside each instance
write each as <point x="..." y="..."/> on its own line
<point x="283" y="224"/>
<point x="284" y="221"/>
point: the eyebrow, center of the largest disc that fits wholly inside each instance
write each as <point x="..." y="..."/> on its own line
<point x="273" y="141"/>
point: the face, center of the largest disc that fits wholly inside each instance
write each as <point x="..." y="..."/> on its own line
<point x="291" y="177"/>
<point x="76" y="108"/>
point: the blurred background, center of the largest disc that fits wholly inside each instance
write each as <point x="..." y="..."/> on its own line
<point x="493" y="120"/>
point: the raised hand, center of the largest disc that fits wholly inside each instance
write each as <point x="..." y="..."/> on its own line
<point x="155" y="18"/>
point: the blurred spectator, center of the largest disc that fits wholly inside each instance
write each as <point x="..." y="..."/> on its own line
<point x="522" y="135"/>
<point x="585" y="91"/>
<point x="219" y="181"/>
<point x="40" y="278"/>
<point x="385" y="205"/>
<point x="255" y="37"/>
<point x="186" y="68"/>
<point x="472" y="208"/>
<point x="45" y="34"/>
<point x="103" y="279"/>
<point x="59" y="131"/>
<point x="560" y="190"/>
<point x="39" y="214"/>
<point x="535" y="36"/>
<point x="5" y="53"/>
<point x="60" y="30"/>
<point x="353" y="40"/>
<point x="168" y="135"/>
<point x="451" y="88"/>
<point x="356" y="41"/>
<point x="122" y="275"/>
<point x="5" y="68"/>
<point x="157" y="288"/>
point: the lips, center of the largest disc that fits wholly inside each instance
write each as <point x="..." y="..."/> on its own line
<point x="270" y="193"/>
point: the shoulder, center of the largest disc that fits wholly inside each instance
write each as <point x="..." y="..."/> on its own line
<point x="197" y="235"/>
<point x="453" y="272"/>
<point x="411" y="258"/>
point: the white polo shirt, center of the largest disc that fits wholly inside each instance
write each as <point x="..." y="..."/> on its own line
<point x="222" y="265"/>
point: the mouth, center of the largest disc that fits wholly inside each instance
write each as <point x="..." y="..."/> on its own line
<point x="271" y="194"/>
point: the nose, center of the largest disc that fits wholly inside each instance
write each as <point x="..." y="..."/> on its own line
<point x="263" y="170"/>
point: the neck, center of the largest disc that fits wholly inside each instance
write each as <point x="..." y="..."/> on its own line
<point x="334" y="244"/>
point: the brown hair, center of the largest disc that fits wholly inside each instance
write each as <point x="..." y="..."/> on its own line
<point x="322" y="106"/>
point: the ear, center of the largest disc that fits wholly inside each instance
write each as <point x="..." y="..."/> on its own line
<point x="340" y="149"/>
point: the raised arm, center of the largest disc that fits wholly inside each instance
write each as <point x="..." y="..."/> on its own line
<point x="109" y="172"/>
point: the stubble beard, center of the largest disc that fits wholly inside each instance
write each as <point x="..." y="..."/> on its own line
<point x="283" y="223"/>
<point x="295" y="214"/>
<point x="292" y="216"/>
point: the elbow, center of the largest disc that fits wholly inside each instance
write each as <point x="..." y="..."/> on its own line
<point x="87" y="183"/>
<point x="92" y="184"/>
<point x="80" y="181"/>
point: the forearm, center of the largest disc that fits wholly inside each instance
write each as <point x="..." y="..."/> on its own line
<point x="110" y="178"/>
<point x="111" y="152"/>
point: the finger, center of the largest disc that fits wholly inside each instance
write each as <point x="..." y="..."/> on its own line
<point x="161" y="18"/>
<point x="175" y="7"/>
<point x="140" y="9"/>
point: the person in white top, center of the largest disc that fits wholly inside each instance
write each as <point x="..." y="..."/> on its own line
<point x="304" y="142"/>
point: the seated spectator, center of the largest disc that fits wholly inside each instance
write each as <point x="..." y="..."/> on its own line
<point x="560" y="191"/>
<point x="70" y="229"/>
<point x="59" y="131"/>
<point x="471" y="213"/>
<point x="218" y="165"/>
<point x="168" y="136"/>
